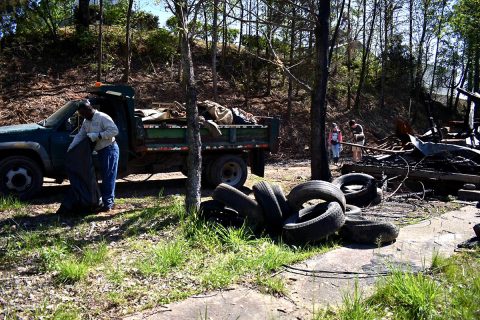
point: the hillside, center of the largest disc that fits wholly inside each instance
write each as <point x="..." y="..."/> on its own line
<point x="32" y="88"/>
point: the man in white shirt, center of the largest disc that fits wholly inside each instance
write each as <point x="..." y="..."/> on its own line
<point x="100" y="129"/>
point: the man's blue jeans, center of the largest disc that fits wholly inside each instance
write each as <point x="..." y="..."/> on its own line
<point x="108" y="158"/>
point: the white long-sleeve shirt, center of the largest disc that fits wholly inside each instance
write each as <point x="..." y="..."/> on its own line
<point x="101" y="123"/>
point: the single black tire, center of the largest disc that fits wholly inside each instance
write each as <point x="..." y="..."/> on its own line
<point x="216" y="211"/>
<point x="368" y="231"/>
<point x="240" y="202"/>
<point x="282" y="200"/>
<point x="352" y="210"/>
<point x="322" y="225"/>
<point x="20" y="177"/>
<point x="362" y="197"/>
<point x="229" y="169"/>
<point x="266" y="199"/>
<point x="315" y="189"/>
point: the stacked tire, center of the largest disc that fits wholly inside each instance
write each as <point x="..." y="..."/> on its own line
<point x="312" y="211"/>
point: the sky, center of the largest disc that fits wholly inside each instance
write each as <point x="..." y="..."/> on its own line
<point x="153" y="7"/>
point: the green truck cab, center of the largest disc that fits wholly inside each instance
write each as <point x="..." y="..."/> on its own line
<point x="30" y="152"/>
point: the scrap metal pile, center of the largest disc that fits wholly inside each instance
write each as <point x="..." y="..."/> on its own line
<point x="424" y="161"/>
<point x="311" y="211"/>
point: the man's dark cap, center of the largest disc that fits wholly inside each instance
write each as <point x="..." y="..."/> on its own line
<point x="351" y="122"/>
<point x="84" y="104"/>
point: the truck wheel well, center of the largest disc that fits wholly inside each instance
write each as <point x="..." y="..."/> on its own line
<point x="23" y="152"/>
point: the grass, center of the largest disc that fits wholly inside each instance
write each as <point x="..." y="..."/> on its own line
<point x="142" y="258"/>
<point x="273" y="286"/>
<point x="11" y="203"/>
<point x="449" y="290"/>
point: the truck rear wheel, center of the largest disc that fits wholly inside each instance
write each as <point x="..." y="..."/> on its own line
<point x="20" y="176"/>
<point x="228" y="169"/>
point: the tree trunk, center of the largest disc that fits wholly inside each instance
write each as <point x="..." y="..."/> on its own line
<point x="290" y="80"/>
<point x="205" y="25"/>
<point x="128" y="56"/>
<point x="349" y="57"/>
<point x="224" y="34"/>
<point x="365" y="53"/>
<point x="194" y="158"/>
<point x="418" y="66"/>
<point x="214" y="49"/>
<point x="335" y="33"/>
<point x="240" y="36"/>
<point x="267" y="50"/>
<point x="319" y="153"/>
<point x="83" y="16"/>
<point x="439" y="33"/>
<point x="100" y="43"/>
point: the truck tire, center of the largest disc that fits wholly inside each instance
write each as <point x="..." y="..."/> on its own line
<point x="271" y="209"/>
<point x="362" y="197"/>
<point x="326" y="219"/>
<point x="315" y="189"/>
<point x="282" y="200"/>
<point x="241" y="203"/>
<point x="229" y="169"/>
<point x="369" y="231"/>
<point x="20" y="177"/>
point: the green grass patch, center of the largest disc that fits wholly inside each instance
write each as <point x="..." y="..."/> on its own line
<point x="449" y="290"/>
<point x="11" y="203"/>
<point x="71" y="271"/>
<point x="162" y="258"/>
<point x="274" y="286"/>
<point x="95" y="255"/>
<point x="159" y="255"/>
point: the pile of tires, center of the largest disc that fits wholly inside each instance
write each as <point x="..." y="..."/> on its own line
<point x="312" y="211"/>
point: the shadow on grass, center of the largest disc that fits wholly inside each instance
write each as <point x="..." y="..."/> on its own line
<point x="124" y="189"/>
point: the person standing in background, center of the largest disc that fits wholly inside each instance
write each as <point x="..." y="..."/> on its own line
<point x="358" y="138"/>
<point x="334" y="139"/>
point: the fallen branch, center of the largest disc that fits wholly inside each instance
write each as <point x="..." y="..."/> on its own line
<point x="371" y="148"/>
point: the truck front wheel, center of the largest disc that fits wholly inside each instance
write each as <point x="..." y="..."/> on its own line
<point x="20" y="177"/>
<point x="228" y="169"/>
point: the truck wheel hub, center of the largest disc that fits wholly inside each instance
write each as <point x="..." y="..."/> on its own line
<point x="231" y="173"/>
<point x="18" y="179"/>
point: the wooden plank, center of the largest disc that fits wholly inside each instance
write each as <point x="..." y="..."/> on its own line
<point x="413" y="174"/>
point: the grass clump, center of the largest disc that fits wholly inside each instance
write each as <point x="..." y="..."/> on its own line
<point x="71" y="271"/>
<point x="95" y="255"/>
<point x="11" y="203"/>
<point x="449" y="290"/>
<point x="274" y="286"/>
<point x="163" y="257"/>
<point x="415" y="295"/>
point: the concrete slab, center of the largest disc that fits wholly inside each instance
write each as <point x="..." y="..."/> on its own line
<point x="324" y="279"/>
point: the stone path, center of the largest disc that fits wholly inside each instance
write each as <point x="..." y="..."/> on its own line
<point x="310" y="287"/>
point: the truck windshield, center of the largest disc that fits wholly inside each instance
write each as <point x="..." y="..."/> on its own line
<point x="60" y="115"/>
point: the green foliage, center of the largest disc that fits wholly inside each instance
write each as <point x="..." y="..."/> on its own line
<point x="161" y="44"/>
<point x="466" y="19"/>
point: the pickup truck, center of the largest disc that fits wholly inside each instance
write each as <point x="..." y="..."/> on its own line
<point x="31" y="152"/>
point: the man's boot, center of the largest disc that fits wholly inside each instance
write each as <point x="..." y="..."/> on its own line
<point x="335" y="160"/>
